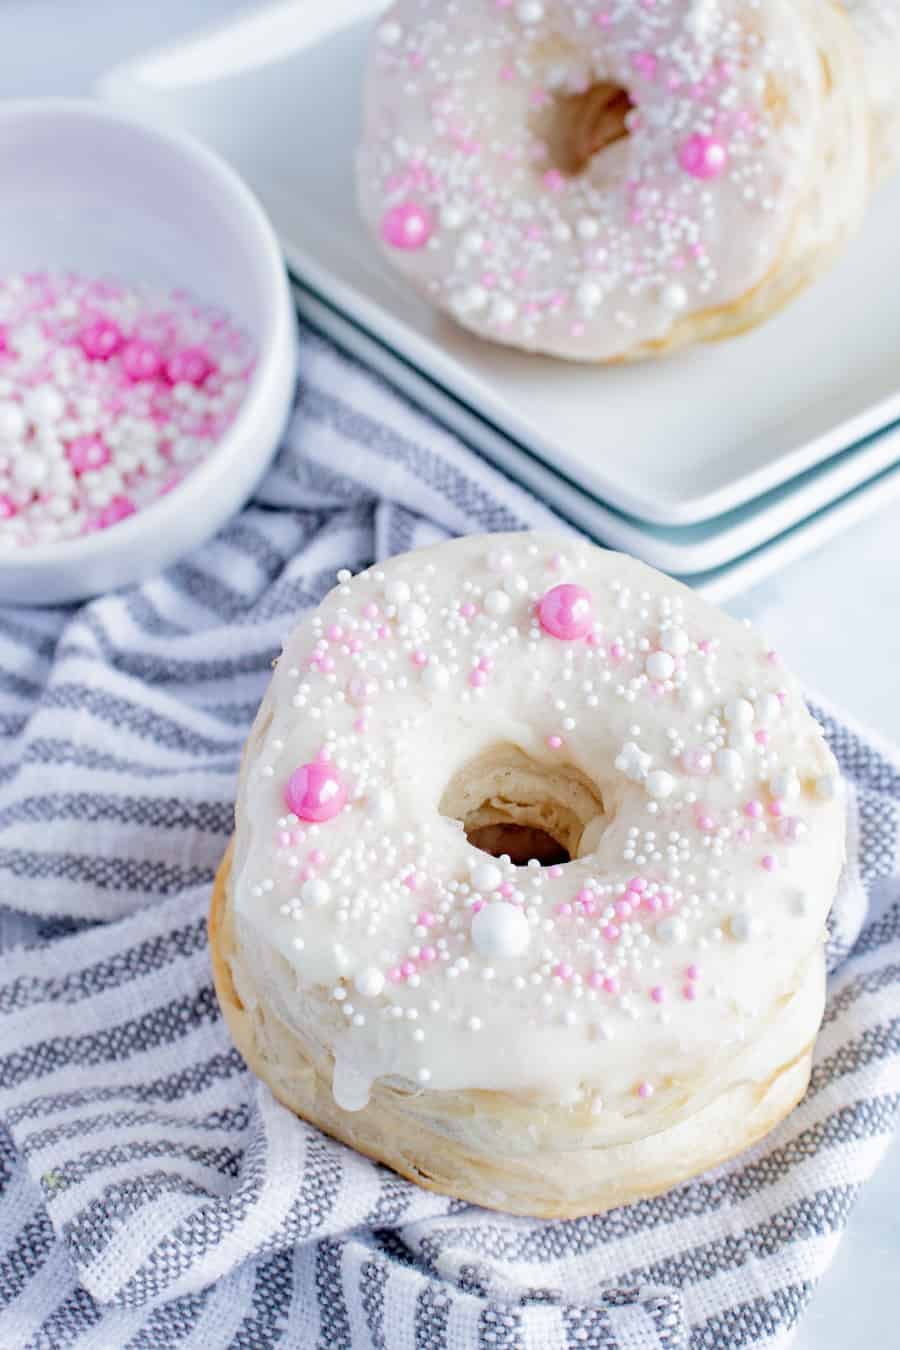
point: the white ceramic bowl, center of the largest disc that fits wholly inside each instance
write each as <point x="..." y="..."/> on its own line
<point x="90" y="189"/>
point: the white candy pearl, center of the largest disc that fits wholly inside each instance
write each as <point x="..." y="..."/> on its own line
<point x="29" y="469"/>
<point x="675" y="640"/>
<point x="671" y="931"/>
<point x="390" y="34"/>
<point x="660" y="783"/>
<point x="503" y="310"/>
<point x="739" y="712"/>
<point x="587" y="228"/>
<point x="454" y="216"/>
<point x="435" y="677"/>
<point x="315" y="892"/>
<point x="826" y="787"/>
<point x="12" y="422"/>
<point x="588" y="295"/>
<point x="383" y="804"/>
<point x="500" y="930"/>
<point x="486" y="876"/>
<point x="413" y="616"/>
<point x="397" y="593"/>
<point x="674" y="296"/>
<point x="729" y="763"/>
<point x="497" y="603"/>
<point x="742" y="927"/>
<point x="530" y="11"/>
<point x="369" y="982"/>
<point x="660" y="665"/>
<point x="45" y="404"/>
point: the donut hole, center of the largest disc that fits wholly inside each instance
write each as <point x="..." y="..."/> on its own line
<point x="511" y="805"/>
<point x="577" y="127"/>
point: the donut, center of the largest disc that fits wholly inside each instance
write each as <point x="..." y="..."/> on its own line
<point x="612" y="180"/>
<point x="528" y="888"/>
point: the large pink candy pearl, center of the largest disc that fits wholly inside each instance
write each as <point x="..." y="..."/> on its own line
<point x="567" y="612"/>
<point x="141" y="360"/>
<point x="101" y="339"/>
<point x="191" y="366"/>
<point x="408" y="226"/>
<point x="314" y="792"/>
<point x="703" y="156"/>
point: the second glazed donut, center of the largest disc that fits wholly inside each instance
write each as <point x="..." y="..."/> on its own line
<point x="613" y="180"/>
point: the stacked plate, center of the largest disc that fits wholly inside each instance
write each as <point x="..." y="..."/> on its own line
<point x="719" y="465"/>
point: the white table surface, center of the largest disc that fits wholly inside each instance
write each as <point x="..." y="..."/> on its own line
<point x="834" y="616"/>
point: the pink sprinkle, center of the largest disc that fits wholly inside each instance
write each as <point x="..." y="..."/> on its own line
<point x="623" y="909"/>
<point x="193" y="365"/>
<point x="585" y="897"/>
<point x="776" y="808"/>
<point x="506" y="889"/>
<point x="477" y="678"/>
<point x="428" y="954"/>
<point x="86" y="453"/>
<point x="790" y="829"/>
<point x="100" y="340"/>
<point x="657" y="993"/>
<point x="645" y="1089"/>
<point x="316" y="857"/>
<point x="761" y="737"/>
<point x="768" y="862"/>
<point x="697" y="762"/>
<point x="689" y="992"/>
<point x="554" y="742"/>
<point x="706" y="823"/>
<point x="8" y="507"/>
<point x="407" y="226"/>
<point x="602" y="19"/>
<point x="335" y="632"/>
<point x="486" y="663"/>
<point x="141" y="360"/>
<point x="595" y="979"/>
<point x="563" y="971"/>
<point x="315" y="792"/>
<point x="745" y="836"/>
<point x="645" y="64"/>
<point x="611" y="932"/>
<point x="753" y="809"/>
<point x="419" y="658"/>
<point x="427" y="919"/>
<point x="616" y="651"/>
<point x="360" y="724"/>
<point x="638" y="885"/>
<point x="285" y="838"/>
<point x="554" y="871"/>
<point x="610" y="985"/>
<point x="553" y="180"/>
<point x="772" y="657"/>
<point x="652" y="903"/>
<point x="118" y="509"/>
<point x="478" y="906"/>
<point x="407" y="968"/>
<point x="395" y="975"/>
<point x="781" y="695"/>
<point x="693" y="972"/>
<point x="467" y="609"/>
<point x="564" y="909"/>
<point x="370" y="611"/>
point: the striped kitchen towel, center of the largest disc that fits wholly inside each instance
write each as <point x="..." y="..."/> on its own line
<point x="153" y="1196"/>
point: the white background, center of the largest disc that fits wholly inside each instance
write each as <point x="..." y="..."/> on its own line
<point x="834" y="617"/>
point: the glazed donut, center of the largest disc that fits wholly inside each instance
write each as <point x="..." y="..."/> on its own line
<point x="527" y="895"/>
<point x="613" y="180"/>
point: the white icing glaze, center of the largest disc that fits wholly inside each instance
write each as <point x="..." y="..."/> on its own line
<point x="878" y="24"/>
<point x="685" y="214"/>
<point x="652" y="957"/>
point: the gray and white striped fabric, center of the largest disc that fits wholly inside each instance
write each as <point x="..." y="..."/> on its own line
<point x="153" y="1196"/>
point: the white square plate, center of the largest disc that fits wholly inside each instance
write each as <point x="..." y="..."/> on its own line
<point x="672" y="442"/>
